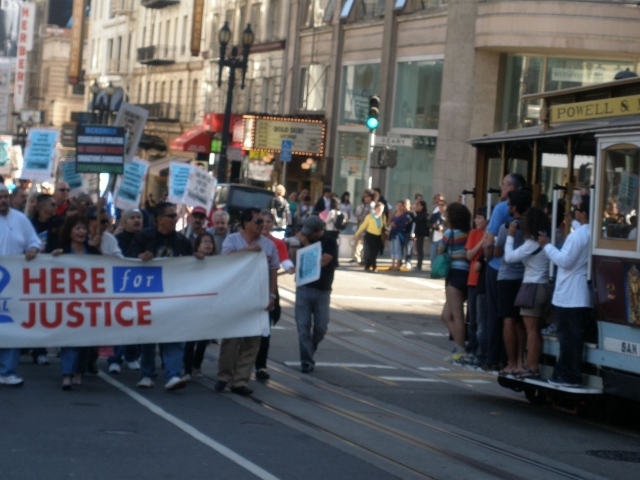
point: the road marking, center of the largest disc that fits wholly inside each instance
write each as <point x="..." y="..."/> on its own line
<point x="414" y="379"/>
<point x="278" y="327"/>
<point x="382" y="299"/>
<point x="343" y="365"/>
<point x="474" y="381"/>
<point x="189" y="430"/>
<point x="425" y="283"/>
<point x="369" y="330"/>
<point x="408" y="332"/>
<point x="434" y="369"/>
<point x="434" y="334"/>
<point x="372" y="377"/>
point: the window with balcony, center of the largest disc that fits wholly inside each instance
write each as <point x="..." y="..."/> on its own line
<point x="313" y="87"/>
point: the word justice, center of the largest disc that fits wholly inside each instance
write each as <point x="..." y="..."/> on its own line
<point x="77" y="312"/>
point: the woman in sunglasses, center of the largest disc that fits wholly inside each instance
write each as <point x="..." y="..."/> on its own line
<point x="74" y="240"/>
<point x="99" y="223"/>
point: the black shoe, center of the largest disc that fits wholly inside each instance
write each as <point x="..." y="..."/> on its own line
<point x="244" y="391"/>
<point x="220" y="386"/>
<point x="262" y="374"/>
<point x="307" y="368"/>
<point x="92" y="369"/>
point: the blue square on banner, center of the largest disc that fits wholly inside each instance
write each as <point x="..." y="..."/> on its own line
<point x="137" y="280"/>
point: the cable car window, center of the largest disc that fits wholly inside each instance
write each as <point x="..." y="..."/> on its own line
<point x="619" y="198"/>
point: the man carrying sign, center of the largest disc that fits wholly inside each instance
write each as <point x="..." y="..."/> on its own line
<point x="313" y="299"/>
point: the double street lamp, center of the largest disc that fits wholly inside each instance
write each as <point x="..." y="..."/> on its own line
<point x="232" y="61"/>
<point x="101" y="109"/>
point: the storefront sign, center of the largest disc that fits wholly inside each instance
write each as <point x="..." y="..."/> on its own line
<point x="199" y="189"/>
<point x="196" y="29"/>
<point x="25" y="42"/>
<point x="178" y="177"/>
<point x="584" y="77"/>
<point x="609" y="107"/>
<point x="5" y="83"/>
<point x="133" y="181"/>
<point x="267" y="133"/>
<point x="75" y="52"/>
<point x="351" y="168"/>
<point x="88" y="300"/>
<point x="133" y="119"/>
<point x="40" y="154"/>
<point x="260" y="172"/>
<point x="100" y="149"/>
<point x="35" y="116"/>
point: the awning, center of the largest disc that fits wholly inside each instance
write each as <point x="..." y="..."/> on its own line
<point x="195" y="140"/>
<point x="156" y="167"/>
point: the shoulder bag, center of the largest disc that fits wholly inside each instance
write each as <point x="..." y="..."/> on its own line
<point x="442" y="263"/>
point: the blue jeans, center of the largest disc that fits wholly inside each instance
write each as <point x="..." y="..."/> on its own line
<point x="9" y="359"/>
<point x="130" y="353"/>
<point x="481" y="321"/>
<point x="494" y="321"/>
<point x="172" y="355"/>
<point x="472" y="328"/>
<point x="73" y="360"/>
<point x="312" y="320"/>
<point x="396" y="249"/>
<point x="571" y="323"/>
<point x="434" y="250"/>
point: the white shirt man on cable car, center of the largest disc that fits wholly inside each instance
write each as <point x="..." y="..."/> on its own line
<point x="571" y="297"/>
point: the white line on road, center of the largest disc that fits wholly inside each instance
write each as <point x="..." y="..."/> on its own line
<point x="434" y="334"/>
<point x="189" y="430"/>
<point x="425" y="283"/>
<point x="348" y="365"/>
<point x="475" y="381"/>
<point x="434" y="369"/>
<point x="369" y="330"/>
<point x="413" y="379"/>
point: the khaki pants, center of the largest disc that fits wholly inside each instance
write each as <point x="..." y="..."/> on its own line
<point x="237" y="356"/>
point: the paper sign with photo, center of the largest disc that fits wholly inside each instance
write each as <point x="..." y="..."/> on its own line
<point x="308" y="264"/>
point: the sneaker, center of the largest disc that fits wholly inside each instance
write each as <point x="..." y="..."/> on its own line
<point x="11" y="380"/>
<point x="175" y="383"/>
<point x="454" y="357"/>
<point x="307" y="368"/>
<point x="42" y="360"/>
<point x="114" y="368"/>
<point x="220" y="386"/>
<point x="146" y="382"/>
<point x="197" y="373"/>
<point x="465" y="360"/>
<point x="244" y="391"/>
<point x="551" y="330"/>
<point x="408" y="266"/>
<point x="559" y="382"/>
<point x="135" y="365"/>
<point x="186" y="377"/>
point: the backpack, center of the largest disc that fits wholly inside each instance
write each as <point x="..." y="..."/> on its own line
<point x="340" y="221"/>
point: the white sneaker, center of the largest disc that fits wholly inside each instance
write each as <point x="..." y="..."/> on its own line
<point x="175" y="383"/>
<point x="408" y="266"/>
<point x="114" y="368"/>
<point x="11" y="380"/>
<point x="135" y="365"/>
<point x="146" y="382"/>
<point x="186" y="377"/>
<point x="42" y="360"/>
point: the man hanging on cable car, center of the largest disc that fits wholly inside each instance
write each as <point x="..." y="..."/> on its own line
<point x="571" y="297"/>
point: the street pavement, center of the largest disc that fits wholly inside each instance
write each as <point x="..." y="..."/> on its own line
<point x="380" y="404"/>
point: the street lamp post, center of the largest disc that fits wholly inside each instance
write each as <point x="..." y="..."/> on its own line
<point x="233" y="62"/>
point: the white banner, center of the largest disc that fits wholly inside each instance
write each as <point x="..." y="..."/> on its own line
<point x="87" y="300"/>
<point x="199" y="189"/>
<point x="133" y="119"/>
<point x="130" y="188"/>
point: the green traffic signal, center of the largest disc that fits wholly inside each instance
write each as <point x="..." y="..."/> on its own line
<point x="374" y="112"/>
<point x="372" y="123"/>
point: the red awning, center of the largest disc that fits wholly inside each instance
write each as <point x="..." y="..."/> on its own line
<point x="195" y="140"/>
<point x="213" y="122"/>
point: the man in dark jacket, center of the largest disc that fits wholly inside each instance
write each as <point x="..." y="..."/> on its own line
<point x="324" y="202"/>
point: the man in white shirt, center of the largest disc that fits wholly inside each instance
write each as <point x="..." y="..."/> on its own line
<point x="98" y="224"/>
<point x="17" y="236"/>
<point x="571" y="297"/>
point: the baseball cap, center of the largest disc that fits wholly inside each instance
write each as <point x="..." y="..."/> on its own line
<point x="311" y="225"/>
<point x="200" y="210"/>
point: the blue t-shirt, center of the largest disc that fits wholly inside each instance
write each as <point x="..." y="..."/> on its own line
<point x="514" y="270"/>
<point x="499" y="216"/>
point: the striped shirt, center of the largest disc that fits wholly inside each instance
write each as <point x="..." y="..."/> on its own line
<point x="456" y="249"/>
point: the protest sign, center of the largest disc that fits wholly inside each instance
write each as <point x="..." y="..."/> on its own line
<point x="308" y="264"/>
<point x="87" y="300"/>
<point x="199" y="189"/>
<point x="178" y="176"/>
<point x="40" y="154"/>
<point x="70" y="175"/>
<point x="5" y="154"/>
<point x="130" y="190"/>
<point x="100" y="149"/>
<point x="133" y="119"/>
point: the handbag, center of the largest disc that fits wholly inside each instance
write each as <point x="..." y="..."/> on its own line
<point x="526" y="297"/>
<point x="442" y="264"/>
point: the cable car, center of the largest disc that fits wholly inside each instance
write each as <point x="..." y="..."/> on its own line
<point x="586" y="138"/>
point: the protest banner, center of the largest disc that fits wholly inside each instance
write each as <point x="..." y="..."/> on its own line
<point x="5" y="154"/>
<point x="130" y="190"/>
<point x="308" y="264"/>
<point x="133" y="119"/>
<point x="40" y="154"/>
<point x="99" y="149"/>
<point x="70" y="175"/>
<point x="88" y="300"/>
<point x="199" y="189"/>
<point x="178" y="176"/>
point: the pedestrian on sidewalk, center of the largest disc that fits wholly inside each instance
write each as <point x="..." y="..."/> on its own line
<point x="313" y="299"/>
<point x="374" y="226"/>
<point x="421" y="230"/>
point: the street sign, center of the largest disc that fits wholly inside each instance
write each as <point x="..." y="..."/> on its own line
<point x="100" y="149"/>
<point x="285" y="151"/>
<point x="393" y="141"/>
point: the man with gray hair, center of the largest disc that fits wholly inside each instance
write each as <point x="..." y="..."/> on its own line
<point x="220" y="229"/>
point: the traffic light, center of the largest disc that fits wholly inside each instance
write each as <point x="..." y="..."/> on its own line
<point x="374" y="111"/>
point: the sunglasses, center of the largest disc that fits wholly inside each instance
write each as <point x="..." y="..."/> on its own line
<point x="64" y="190"/>
<point x="258" y="222"/>
<point x="171" y="215"/>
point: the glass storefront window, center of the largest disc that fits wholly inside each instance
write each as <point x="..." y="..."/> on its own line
<point x="523" y="75"/>
<point x="414" y="172"/>
<point x="350" y="168"/>
<point x="418" y="87"/>
<point x="570" y="72"/>
<point x="313" y="87"/>
<point x="359" y="82"/>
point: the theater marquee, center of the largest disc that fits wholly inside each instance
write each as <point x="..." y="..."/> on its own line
<point x="267" y="134"/>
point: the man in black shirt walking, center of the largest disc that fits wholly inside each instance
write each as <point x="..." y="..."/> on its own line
<point x="313" y="299"/>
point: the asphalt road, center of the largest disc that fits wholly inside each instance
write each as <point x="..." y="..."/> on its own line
<point x="380" y="404"/>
